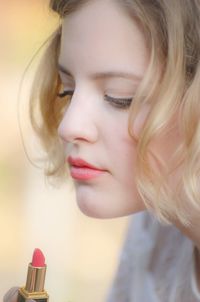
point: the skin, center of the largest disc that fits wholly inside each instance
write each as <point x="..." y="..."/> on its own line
<point x="101" y="37"/>
<point x="114" y="42"/>
<point x="90" y="122"/>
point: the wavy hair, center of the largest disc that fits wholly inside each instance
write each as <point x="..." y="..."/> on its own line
<point x="171" y="84"/>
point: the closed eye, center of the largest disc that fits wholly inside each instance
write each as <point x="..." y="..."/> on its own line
<point x="65" y="93"/>
<point x="123" y="103"/>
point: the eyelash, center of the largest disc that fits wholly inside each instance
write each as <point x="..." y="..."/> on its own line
<point x="122" y="103"/>
<point x="65" y="93"/>
<point x="118" y="102"/>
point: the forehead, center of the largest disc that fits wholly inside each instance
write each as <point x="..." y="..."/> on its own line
<point x="101" y="32"/>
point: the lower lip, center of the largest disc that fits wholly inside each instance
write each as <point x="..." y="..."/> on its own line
<point x="83" y="173"/>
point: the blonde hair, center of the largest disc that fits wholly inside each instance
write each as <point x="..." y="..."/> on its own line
<point x="171" y="84"/>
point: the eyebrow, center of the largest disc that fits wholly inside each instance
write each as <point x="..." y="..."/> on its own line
<point x="105" y="74"/>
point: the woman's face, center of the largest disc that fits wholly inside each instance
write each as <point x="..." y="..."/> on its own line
<point x="102" y="60"/>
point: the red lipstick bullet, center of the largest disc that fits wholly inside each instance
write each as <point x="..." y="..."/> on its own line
<point x="34" y="288"/>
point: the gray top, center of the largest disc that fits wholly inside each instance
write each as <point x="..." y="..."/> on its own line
<point x="156" y="265"/>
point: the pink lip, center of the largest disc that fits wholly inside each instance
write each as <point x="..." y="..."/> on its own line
<point x="81" y="170"/>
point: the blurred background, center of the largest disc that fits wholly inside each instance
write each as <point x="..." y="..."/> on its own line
<point x="81" y="252"/>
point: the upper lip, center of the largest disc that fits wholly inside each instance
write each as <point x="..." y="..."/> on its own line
<point x="79" y="162"/>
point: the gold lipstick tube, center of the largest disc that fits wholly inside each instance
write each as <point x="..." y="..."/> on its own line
<point x="34" y="288"/>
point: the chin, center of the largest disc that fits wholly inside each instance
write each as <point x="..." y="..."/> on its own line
<point x="90" y="205"/>
<point x="93" y="210"/>
<point x="104" y="206"/>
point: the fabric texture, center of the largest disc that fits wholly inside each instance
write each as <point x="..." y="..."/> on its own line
<point x="156" y="264"/>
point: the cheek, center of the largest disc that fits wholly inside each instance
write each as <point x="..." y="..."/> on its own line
<point x="116" y="140"/>
<point x="123" y="158"/>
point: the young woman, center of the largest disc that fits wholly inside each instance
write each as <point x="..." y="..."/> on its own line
<point x="118" y="93"/>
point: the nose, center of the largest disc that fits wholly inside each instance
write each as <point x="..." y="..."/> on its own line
<point x="78" y="122"/>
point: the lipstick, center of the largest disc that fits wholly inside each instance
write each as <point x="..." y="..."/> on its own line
<point x="34" y="288"/>
<point x="81" y="170"/>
